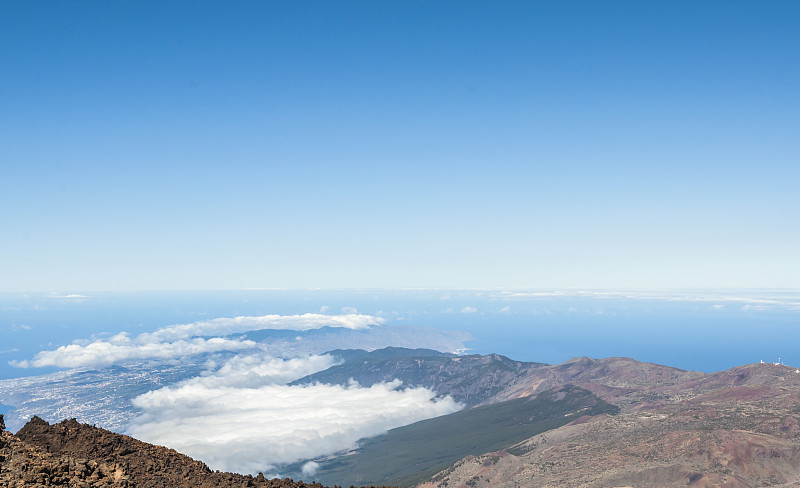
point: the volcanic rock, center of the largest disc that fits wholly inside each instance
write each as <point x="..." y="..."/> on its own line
<point x="84" y="456"/>
<point x="736" y="428"/>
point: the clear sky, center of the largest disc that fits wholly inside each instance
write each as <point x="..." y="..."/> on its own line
<point x="216" y="145"/>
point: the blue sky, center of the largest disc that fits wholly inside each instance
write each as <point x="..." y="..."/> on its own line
<point x="208" y="145"/>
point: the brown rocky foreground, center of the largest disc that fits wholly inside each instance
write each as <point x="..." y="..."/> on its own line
<point x="82" y="456"/>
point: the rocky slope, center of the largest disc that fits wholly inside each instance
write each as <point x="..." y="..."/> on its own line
<point x="80" y="455"/>
<point x="735" y="428"/>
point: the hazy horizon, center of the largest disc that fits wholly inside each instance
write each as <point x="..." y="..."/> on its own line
<point x="704" y="330"/>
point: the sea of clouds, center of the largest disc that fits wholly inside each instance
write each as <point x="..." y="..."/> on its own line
<point x="240" y="414"/>
<point x="245" y="418"/>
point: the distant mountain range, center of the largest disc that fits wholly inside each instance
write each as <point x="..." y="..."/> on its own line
<point x="612" y="422"/>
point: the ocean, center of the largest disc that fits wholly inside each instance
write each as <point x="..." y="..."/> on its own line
<point x="689" y="329"/>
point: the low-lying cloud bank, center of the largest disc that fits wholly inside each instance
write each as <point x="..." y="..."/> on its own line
<point x="240" y="414"/>
<point x="120" y="348"/>
<point x="176" y="341"/>
<point x="260" y="369"/>
<point x="241" y="418"/>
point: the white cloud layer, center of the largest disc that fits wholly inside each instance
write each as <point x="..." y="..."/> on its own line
<point x="176" y="341"/>
<point x="120" y="348"/>
<point x="256" y="370"/>
<point x="240" y="419"/>
<point x="310" y="469"/>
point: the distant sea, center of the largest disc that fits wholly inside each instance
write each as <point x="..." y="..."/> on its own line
<point x="692" y="329"/>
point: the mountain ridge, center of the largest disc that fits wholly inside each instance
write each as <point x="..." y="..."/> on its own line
<point x="469" y="379"/>
<point x="736" y="427"/>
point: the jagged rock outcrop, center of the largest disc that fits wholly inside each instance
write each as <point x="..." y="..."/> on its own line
<point x="84" y="456"/>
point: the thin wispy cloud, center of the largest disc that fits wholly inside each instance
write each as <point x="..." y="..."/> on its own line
<point x="409" y="336"/>
<point x="752" y="300"/>
<point x="68" y="296"/>
<point x="225" y="326"/>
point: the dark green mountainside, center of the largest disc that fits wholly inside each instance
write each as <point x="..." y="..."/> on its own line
<point x="410" y="454"/>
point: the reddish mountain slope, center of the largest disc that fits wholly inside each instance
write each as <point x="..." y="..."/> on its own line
<point x="735" y="428"/>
